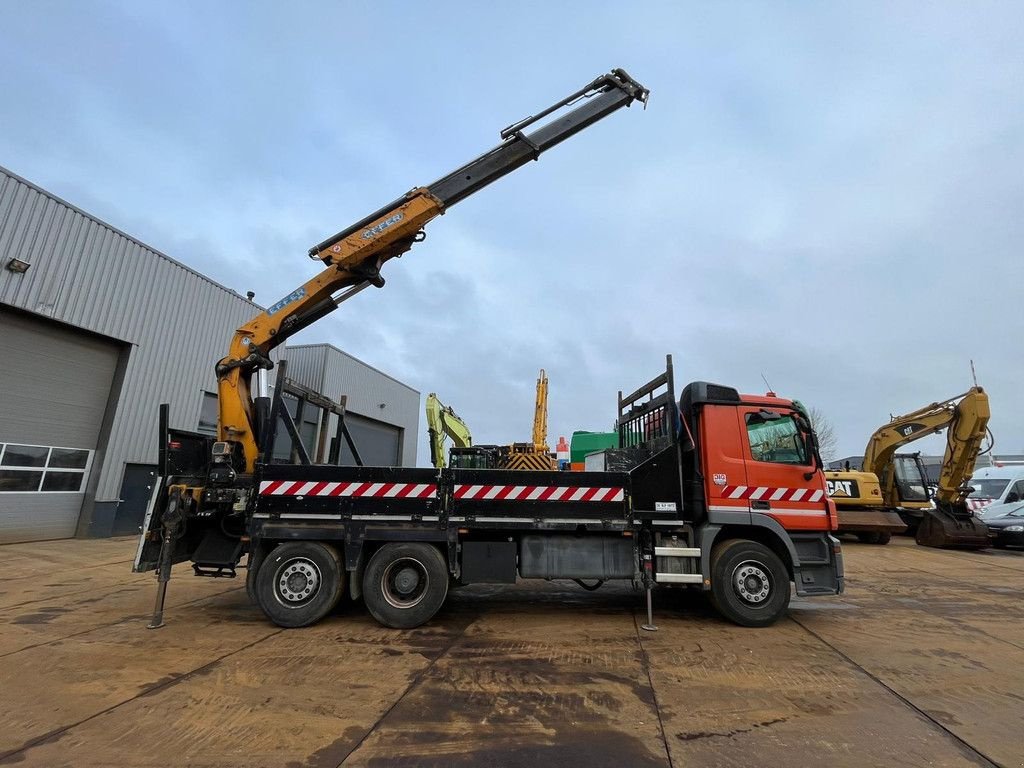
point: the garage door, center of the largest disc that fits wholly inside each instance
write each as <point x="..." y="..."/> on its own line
<point x="55" y="384"/>
<point x="379" y="444"/>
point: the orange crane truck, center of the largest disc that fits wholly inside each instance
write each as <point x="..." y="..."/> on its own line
<point x="724" y="492"/>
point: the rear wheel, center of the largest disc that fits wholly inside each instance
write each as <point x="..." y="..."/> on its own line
<point x="299" y="583"/>
<point x="252" y="567"/>
<point x="405" y="584"/>
<point x="749" y="583"/>
<point x="883" y="538"/>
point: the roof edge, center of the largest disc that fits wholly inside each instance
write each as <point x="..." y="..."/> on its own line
<point x="122" y="233"/>
<point x="354" y="358"/>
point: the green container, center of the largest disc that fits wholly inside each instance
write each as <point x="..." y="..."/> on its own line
<point x="583" y="443"/>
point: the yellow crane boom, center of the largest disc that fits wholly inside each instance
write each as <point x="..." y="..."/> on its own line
<point x="353" y="258"/>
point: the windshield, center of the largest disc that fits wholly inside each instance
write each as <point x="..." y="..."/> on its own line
<point x="776" y="438"/>
<point x="1000" y="511"/>
<point x="988" y="487"/>
<point x="909" y="480"/>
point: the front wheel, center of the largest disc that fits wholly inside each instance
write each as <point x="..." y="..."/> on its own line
<point x="749" y="583"/>
<point x="299" y="583"/>
<point x="405" y="584"/>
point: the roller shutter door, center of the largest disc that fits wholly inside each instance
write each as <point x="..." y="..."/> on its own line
<point x="379" y="444"/>
<point x="55" y="383"/>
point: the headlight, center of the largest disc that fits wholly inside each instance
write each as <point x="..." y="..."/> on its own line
<point x="1014" y="529"/>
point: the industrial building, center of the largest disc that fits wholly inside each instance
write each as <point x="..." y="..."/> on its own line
<point x="96" y="330"/>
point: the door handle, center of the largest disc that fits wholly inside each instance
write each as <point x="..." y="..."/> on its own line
<point x="760" y="504"/>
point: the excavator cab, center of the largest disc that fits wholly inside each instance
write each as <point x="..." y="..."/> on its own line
<point x="911" y="480"/>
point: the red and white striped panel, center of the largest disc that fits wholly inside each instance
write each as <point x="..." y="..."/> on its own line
<point x="767" y="493"/>
<point x="978" y="503"/>
<point x="362" y="490"/>
<point x="536" y="493"/>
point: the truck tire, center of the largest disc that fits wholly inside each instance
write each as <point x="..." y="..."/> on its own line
<point x="299" y="583"/>
<point x="883" y="538"/>
<point x="252" y="567"/>
<point x="749" y="583"/>
<point x="405" y="584"/>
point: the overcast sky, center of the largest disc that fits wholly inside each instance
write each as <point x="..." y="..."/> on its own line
<point x="828" y="195"/>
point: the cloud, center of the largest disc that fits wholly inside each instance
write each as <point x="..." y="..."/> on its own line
<point x="826" y="196"/>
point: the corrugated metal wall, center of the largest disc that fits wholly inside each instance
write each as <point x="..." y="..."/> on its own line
<point x="89" y="275"/>
<point x="334" y="373"/>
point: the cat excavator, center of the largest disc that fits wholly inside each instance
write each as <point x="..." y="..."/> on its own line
<point x="442" y="421"/>
<point x="890" y="492"/>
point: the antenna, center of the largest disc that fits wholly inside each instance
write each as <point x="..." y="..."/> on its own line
<point x="771" y="392"/>
<point x="973" y="374"/>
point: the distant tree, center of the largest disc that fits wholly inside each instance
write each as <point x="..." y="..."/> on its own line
<point x="828" y="441"/>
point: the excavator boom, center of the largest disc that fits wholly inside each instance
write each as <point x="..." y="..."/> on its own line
<point x="443" y="422"/>
<point x="540" y="414"/>
<point x="890" y="493"/>
<point x="965" y="419"/>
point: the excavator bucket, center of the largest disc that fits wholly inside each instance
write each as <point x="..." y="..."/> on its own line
<point x="950" y="527"/>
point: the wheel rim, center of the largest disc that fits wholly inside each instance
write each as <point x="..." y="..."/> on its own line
<point x="404" y="582"/>
<point x="297" y="581"/>
<point x="752" y="582"/>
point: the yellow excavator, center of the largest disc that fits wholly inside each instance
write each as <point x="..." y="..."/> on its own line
<point x="890" y="492"/>
<point x="443" y="422"/>
<point x="535" y="455"/>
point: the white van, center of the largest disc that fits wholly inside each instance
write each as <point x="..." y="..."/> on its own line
<point x="997" y="490"/>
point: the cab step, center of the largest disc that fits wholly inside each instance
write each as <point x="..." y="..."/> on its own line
<point x="678" y="565"/>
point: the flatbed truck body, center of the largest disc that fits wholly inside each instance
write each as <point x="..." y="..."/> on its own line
<point x="695" y="497"/>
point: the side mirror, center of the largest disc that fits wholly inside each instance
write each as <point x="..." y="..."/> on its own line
<point x="812" y="453"/>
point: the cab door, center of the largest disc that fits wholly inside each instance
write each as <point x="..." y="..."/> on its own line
<point x="778" y="462"/>
<point x="724" y="464"/>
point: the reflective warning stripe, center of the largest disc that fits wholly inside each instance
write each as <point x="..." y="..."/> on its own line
<point x="978" y="503"/>
<point x="361" y="490"/>
<point x="764" y="492"/>
<point x="537" y="493"/>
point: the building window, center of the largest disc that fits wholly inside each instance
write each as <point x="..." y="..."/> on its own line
<point x="42" y="469"/>
<point x="208" y="414"/>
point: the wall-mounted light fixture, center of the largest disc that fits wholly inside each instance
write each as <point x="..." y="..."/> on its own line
<point x="17" y="265"/>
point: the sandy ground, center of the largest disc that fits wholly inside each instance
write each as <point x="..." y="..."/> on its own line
<point x="920" y="663"/>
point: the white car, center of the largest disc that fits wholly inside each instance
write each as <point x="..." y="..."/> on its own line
<point x="997" y="490"/>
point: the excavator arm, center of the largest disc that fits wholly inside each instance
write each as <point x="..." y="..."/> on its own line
<point x="443" y="421"/>
<point x="540" y="414"/>
<point x="353" y="258"/>
<point x="965" y="419"/>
